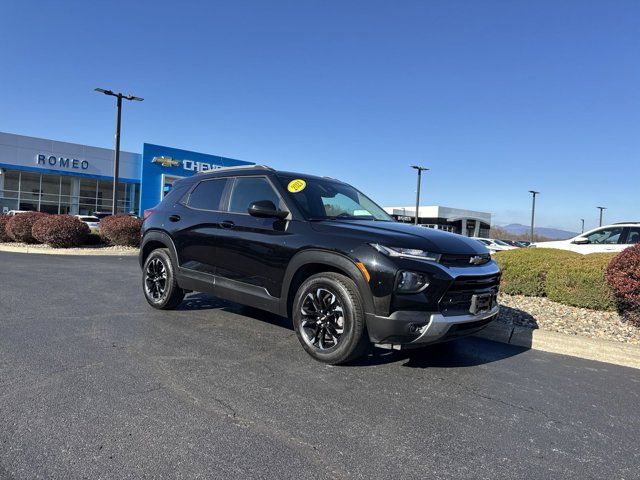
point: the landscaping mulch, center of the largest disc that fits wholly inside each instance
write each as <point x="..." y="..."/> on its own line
<point x="84" y="250"/>
<point x="540" y="312"/>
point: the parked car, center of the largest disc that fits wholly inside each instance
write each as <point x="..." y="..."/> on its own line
<point x="16" y="212"/>
<point x="523" y="243"/>
<point x="610" y="238"/>
<point x="91" y="221"/>
<point x="320" y="252"/>
<point x="494" y="245"/>
<point x="511" y="243"/>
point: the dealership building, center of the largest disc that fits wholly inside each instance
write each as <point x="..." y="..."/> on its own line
<point x="61" y="177"/>
<point x="465" y="222"/>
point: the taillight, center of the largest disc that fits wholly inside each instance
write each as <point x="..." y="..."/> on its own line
<point x="147" y="213"/>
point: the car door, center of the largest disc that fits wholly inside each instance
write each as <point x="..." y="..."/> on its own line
<point x="252" y="250"/>
<point x="196" y="223"/>
<point x="606" y="239"/>
<point x="632" y="237"/>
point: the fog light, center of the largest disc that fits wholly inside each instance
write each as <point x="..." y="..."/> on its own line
<point x="411" y="282"/>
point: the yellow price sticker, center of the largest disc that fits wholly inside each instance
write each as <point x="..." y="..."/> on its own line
<point x="296" y="185"/>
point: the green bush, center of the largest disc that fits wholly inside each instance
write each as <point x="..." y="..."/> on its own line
<point x="524" y="271"/>
<point x="581" y="282"/>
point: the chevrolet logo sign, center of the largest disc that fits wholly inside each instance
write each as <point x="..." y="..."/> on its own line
<point x="165" y="161"/>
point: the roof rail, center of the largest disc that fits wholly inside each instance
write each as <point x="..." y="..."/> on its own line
<point x="239" y="167"/>
<point x="626" y="223"/>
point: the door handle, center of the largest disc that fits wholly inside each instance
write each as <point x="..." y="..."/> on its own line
<point x="227" y="224"/>
<point x="174" y="218"/>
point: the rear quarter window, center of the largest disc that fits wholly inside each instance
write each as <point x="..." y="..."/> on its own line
<point x="207" y="195"/>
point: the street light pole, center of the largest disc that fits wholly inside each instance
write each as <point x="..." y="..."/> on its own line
<point x="582" y="225"/>
<point x="601" y="209"/>
<point x="116" y="159"/>
<point x="533" y="211"/>
<point x="419" y="169"/>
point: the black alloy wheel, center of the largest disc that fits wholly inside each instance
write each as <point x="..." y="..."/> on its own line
<point x="159" y="283"/>
<point x="328" y="318"/>
<point x="322" y="319"/>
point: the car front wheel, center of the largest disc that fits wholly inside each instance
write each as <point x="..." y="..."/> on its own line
<point x="159" y="282"/>
<point x="329" y="319"/>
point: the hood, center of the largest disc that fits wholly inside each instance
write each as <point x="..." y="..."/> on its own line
<point x="403" y="235"/>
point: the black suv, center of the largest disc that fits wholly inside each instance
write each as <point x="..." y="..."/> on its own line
<point x="318" y="251"/>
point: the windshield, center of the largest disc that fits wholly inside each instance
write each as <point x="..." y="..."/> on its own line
<point x="321" y="199"/>
<point x="500" y="242"/>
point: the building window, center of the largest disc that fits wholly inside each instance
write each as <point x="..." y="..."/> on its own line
<point x="63" y="194"/>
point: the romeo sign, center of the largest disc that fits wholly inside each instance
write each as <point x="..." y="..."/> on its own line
<point x="61" y="162"/>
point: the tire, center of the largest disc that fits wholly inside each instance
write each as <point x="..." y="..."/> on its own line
<point x="159" y="283"/>
<point x="329" y="319"/>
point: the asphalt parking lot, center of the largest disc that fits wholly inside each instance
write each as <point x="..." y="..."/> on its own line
<point x="96" y="384"/>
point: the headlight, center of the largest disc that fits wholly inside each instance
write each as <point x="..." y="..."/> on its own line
<point x="407" y="252"/>
<point x="411" y="282"/>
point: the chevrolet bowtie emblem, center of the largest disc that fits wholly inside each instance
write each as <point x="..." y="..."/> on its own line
<point x="477" y="260"/>
<point x="165" y="161"/>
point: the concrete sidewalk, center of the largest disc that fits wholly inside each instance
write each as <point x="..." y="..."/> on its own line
<point x="608" y="351"/>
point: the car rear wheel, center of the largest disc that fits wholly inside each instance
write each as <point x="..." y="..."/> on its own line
<point x="159" y="282"/>
<point x="329" y="319"/>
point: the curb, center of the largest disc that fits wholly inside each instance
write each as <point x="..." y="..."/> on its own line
<point x="67" y="251"/>
<point x="599" y="350"/>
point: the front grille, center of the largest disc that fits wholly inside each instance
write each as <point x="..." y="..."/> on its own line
<point x="457" y="300"/>
<point x="452" y="260"/>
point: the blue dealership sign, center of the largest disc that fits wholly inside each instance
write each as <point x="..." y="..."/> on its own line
<point x="162" y="165"/>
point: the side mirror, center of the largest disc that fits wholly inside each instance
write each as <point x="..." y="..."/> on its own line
<point x="266" y="209"/>
<point x="581" y="241"/>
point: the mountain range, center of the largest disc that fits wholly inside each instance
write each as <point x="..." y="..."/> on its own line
<point x="551" y="233"/>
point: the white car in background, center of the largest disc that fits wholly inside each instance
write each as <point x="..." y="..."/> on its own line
<point x="91" y="221"/>
<point x="495" y="245"/>
<point x="611" y="238"/>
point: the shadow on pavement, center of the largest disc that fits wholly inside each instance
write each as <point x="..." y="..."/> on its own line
<point x="203" y="301"/>
<point x="463" y="352"/>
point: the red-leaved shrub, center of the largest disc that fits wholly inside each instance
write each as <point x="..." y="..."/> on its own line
<point x="623" y="276"/>
<point x="60" y="231"/>
<point x="121" y="230"/>
<point x="19" y="226"/>
<point x="4" y="237"/>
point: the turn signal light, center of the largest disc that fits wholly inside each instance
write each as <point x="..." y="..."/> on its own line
<point x="147" y="213"/>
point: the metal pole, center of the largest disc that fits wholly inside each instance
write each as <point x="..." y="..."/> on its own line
<point x="418" y="196"/>
<point x="533" y="211"/>
<point x="601" y="209"/>
<point x="582" y="225"/>
<point x="533" y="215"/>
<point x="116" y="162"/>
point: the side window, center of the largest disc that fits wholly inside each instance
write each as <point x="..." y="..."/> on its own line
<point x="606" y="236"/>
<point x="634" y="235"/>
<point x="251" y="189"/>
<point x="208" y="194"/>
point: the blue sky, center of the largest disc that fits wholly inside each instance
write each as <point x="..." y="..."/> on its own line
<point x="497" y="97"/>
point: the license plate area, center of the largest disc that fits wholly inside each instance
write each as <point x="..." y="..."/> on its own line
<point x="481" y="303"/>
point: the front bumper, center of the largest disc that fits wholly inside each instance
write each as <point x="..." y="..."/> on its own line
<point x="415" y="328"/>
